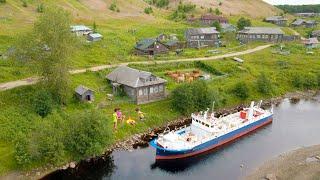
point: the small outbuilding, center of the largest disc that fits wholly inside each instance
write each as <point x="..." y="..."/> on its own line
<point x="311" y="43"/>
<point x="84" y="94"/>
<point x="80" y="30"/>
<point x="150" y="46"/>
<point x="316" y="34"/>
<point x="94" y="37"/>
<point x="143" y="87"/>
<point x="208" y="19"/>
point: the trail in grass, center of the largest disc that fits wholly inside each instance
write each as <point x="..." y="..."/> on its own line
<point x="34" y="80"/>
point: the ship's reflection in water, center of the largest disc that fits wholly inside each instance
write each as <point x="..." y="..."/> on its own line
<point x="294" y="126"/>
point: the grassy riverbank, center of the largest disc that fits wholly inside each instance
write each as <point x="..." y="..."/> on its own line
<point x="297" y="71"/>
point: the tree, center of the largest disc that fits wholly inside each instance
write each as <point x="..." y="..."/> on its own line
<point x="48" y="48"/>
<point x="264" y="85"/>
<point x="24" y="3"/>
<point x="241" y="90"/>
<point x="3" y="1"/>
<point x="193" y="97"/>
<point x="217" y="11"/>
<point x="243" y="22"/>
<point x="148" y="10"/>
<point x="42" y="102"/>
<point x="217" y="25"/>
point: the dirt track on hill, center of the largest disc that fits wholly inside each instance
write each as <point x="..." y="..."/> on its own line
<point x="34" y="80"/>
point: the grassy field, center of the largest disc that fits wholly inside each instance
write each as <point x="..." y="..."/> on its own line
<point x="17" y="113"/>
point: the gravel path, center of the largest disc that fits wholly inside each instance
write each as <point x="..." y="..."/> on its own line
<point x="34" y="80"/>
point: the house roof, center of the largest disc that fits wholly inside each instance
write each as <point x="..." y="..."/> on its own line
<point x="79" y="28"/>
<point x="276" y="18"/>
<point x="82" y="89"/>
<point x="261" y="30"/>
<point x="197" y="31"/>
<point x="213" y="17"/>
<point x="145" y="43"/>
<point x="133" y="77"/>
<point x="311" y="22"/>
<point x="227" y="25"/>
<point x="298" y="22"/>
<point x="171" y="42"/>
<point x="95" y="35"/>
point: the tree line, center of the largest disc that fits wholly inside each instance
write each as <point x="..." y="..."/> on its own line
<point x="300" y="8"/>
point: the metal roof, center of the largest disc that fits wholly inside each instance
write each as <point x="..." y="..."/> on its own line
<point x="298" y="22"/>
<point x="133" y="77"/>
<point x="145" y="43"/>
<point x="261" y="30"/>
<point x="311" y="41"/>
<point x="95" y="35"/>
<point x="82" y="89"/>
<point x="79" y="28"/>
<point x="276" y="18"/>
<point x="198" y="31"/>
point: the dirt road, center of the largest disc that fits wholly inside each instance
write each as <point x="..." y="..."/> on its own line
<point x="34" y="80"/>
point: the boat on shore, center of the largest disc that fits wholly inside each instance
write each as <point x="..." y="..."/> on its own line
<point x="208" y="132"/>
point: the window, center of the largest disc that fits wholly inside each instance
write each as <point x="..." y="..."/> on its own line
<point x="145" y="91"/>
<point x="140" y="92"/>
<point x="156" y="89"/>
<point x="202" y="37"/>
<point x="259" y="36"/>
<point x="207" y="125"/>
<point x="160" y="88"/>
<point x="151" y="90"/>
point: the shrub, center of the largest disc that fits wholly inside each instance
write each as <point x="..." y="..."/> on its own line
<point x="181" y="11"/>
<point x="24" y="3"/>
<point x="42" y="103"/>
<point x="217" y="25"/>
<point x="188" y="98"/>
<point x="40" y="8"/>
<point x="158" y="3"/>
<point x="148" y="10"/>
<point x="241" y="90"/>
<point x="303" y="81"/>
<point x="3" y="1"/>
<point x="243" y="22"/>
<point x="264" y="85"/>
<point x="113" y="6"/>
<point x="89" y="134"/>
<point x="217" y="11"/>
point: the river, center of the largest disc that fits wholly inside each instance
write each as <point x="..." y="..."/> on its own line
<point x="294" y="126"/>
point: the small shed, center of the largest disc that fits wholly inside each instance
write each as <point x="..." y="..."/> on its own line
<point x="311" y="43"/>
<point x="278" y="20"/>
<point x="94" y="37"/>
<point x="84" y="94"/>
<point x="80" y="30"/>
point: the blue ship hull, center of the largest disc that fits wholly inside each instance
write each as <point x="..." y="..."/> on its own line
<point x="166" y="154"/>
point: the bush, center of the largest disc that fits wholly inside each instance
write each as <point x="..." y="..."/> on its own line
<point x="264" y="85"/>
<point x="188" y="98"/>
<point x="217" y="25"/>
<point x="42" y="103"/>
<point x="148" y="10"/>
<point x="89" y="134"/>
<point x="181" y="11"/>
<point x="24" y="3"/>
<point x="304" y="81"/>
<point x="3" y="1"/>
<point x="241" y="90"/>
<point x="243" y="22"/>
<point x="40" y="8"/>
<point x="113" y="6"/>
<point x="158" y="3"/>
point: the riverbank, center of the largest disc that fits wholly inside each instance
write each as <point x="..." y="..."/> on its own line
<point x="303" y="163"/>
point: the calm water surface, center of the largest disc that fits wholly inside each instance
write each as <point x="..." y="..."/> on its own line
<point x="294" y="126"/>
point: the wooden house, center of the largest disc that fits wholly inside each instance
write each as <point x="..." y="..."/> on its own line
<point x="208" y="19"/>
<point x="94" y="37"/>
<point x="305" y="23"/>
<point x="278" y="20"/>
<point x="151" y="47"/>
<point x="267" y="34"/>
<point x="143" y="87"/>
<point x="80" y="30"/>
<point x="84" y="94"/>
<point x="202" y="37"/>
<point x="315" y="33"/>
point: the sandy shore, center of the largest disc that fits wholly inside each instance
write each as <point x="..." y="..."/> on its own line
<point x="300" y="164"/>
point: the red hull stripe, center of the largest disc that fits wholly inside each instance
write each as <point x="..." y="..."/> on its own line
<point x="214" y="146"/>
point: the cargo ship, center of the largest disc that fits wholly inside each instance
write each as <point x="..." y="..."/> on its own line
<point x="207" y="132"/>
